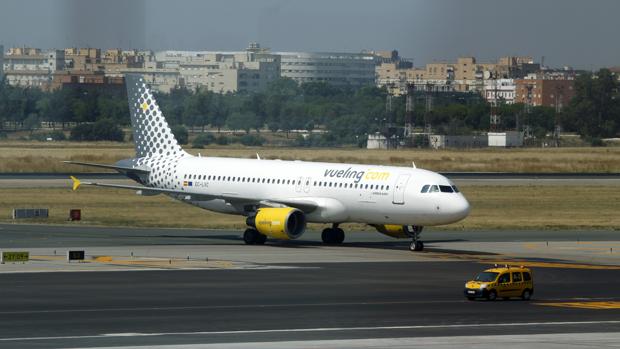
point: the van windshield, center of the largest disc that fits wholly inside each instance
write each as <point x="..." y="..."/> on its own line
<point x="486" y="276"/>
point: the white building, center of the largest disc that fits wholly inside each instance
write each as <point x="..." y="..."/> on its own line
<point x="30" y="67"/>
<point x="161" y="79"/>
<point x="505" y="139"/>
<point x="336" y="68"/>
<point x="499" y="90"/>
<point x="250" y="70"/>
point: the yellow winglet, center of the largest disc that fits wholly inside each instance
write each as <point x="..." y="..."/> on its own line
<point x="76" y="183"/>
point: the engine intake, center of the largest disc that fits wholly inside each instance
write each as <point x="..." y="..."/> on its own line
<point x="284" y="223"/>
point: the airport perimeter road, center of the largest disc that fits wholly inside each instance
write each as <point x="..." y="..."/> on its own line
<point x="320" y="302"/>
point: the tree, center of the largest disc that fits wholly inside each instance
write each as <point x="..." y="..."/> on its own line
<point x="594" y="112"/>
<point x="102" y="130"/>
<point x="180" y="133"/>
<point x="241" y="121"/>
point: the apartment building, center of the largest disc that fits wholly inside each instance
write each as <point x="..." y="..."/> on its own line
<point x="32" y="67"/>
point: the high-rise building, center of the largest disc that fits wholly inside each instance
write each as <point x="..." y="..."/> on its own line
<point x="336" y="68"/>
<point x="545" y="90"/>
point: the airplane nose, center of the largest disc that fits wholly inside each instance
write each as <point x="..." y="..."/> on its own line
<point x="456" y="209"/>
<point x="463" y="208"/>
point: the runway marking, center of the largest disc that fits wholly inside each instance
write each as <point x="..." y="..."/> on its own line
<point x="585" y="305"/>
<point x="553" y="265"/>
<point x="319" y="329"/>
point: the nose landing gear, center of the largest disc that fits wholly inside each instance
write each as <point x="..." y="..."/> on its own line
<point x="416" y="244"/>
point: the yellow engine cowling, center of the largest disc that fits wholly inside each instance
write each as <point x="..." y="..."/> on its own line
<point x="279" y="223"/>
<point x="395" y="231"/>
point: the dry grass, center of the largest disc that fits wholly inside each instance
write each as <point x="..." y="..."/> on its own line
<point x="493" y="207"/>
<point x="48" y="157"/>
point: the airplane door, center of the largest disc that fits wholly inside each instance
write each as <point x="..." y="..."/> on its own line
<point x="306" y="184"/>
<point x="399" y="189"/>
<point x="298" y="184"/>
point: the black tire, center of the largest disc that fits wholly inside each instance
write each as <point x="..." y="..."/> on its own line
<point x="471" y="298"/>
<point x="492" y="295"/>
<point x="261" y="239"/>
<point x="526" y="295"/>
<point x="416" y="246"/>
<point x="250" y="236"/>
<point x="327" y="236"/>
<point x="339" y="236"/>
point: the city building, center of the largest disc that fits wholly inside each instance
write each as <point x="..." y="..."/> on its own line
<point x="498" y="91"/>
<point x="505" y="139"/>
<point x="74" y="78"/>
<point x="550" y="90"/>
<point x="222" y="72"/>
<point x="335" y="68"/>
<point x="31" y="67"/>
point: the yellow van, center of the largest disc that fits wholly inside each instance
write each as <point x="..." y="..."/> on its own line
<point x="504" y="282"/>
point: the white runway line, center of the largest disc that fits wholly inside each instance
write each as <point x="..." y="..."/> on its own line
<point x="319" y="329"/>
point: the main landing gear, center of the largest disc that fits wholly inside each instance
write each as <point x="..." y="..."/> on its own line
<point x="333" y="235"/>
<point x="251" y="236"/>
<point x="416" y="244"/>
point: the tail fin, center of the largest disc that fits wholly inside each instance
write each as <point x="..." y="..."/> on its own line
<point x="151" y="134"/>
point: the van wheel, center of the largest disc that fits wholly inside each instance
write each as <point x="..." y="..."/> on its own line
<point x="492" y="295"/>
<point x="526" y="295"/>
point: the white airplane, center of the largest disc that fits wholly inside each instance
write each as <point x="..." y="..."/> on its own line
<point x="278" y="198"/>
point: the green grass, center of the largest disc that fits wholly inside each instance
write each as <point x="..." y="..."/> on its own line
<point x="493" y="207"/>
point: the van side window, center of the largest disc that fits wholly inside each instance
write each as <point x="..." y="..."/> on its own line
<point x="527" y="276"/>
<point x="516" y="277"/>
<point x="504" y="278"/>
<point x="425" y="188"/>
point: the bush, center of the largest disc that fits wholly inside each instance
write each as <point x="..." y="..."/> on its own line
<point x="56" y="135"/>
<point x="203" y="139"/>
<point x="222" y="140"/>
<point x="102" y="130"/>
<point x="180" y="133"/>
<point x="251" y="140"/>
<point x="596" y="142"/>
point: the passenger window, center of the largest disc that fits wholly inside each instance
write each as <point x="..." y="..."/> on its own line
<point x="434" y="189"/>
<point x="387" y="188"/>
<point x="445" y="188"/>
<point x="366" y="186"/>
<point x="516" y="277"/>
<point x="425" y="188"/>
<point x="527" y="276"/>
<point x="504" y="278"/>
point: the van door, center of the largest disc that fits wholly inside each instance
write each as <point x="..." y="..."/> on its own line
<point x="399" y="189"/>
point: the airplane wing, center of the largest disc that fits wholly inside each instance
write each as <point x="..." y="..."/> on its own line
<point x="304" y="204"/>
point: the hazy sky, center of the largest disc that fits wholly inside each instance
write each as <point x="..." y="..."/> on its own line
<point x="580" y="33"/>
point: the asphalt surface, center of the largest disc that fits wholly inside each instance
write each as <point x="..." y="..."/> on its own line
<point x="388" y="294"/>
<point x="76" y="235"/>
<point x="361" y="300"/>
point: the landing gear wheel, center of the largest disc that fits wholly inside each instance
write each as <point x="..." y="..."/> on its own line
<point x="339" y="235"/>
<point x="332" y="236"/>
<point x="492" y="295"/>
<point x="527" y="294"/>
<point x="261" y="239"/>
<point x="416" y="246"/>
<point x="253" y="237"/>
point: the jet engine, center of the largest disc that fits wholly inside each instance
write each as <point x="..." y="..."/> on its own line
<point x="283" y="223"/>
<point x="395" y="231"/>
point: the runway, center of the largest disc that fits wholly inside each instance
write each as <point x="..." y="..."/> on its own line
<point x="369" y="292"/>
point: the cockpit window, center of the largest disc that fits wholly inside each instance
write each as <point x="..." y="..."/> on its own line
<point x="425" y="188"/>
<point x="445" y="188"/>
<point x="434" y="189"/>
<point x="456" y="190"/>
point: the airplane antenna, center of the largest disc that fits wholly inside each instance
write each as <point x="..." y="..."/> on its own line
<point x="257" y="156"/>
<point x="413" y="164"/>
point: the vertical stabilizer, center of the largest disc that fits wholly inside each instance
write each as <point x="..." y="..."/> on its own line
<point x="151" y="134"/>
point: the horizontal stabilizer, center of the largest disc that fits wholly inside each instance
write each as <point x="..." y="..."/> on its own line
<point x="111" y="167"/>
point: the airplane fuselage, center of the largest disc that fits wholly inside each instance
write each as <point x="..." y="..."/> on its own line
<point x="346" y="192"/>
